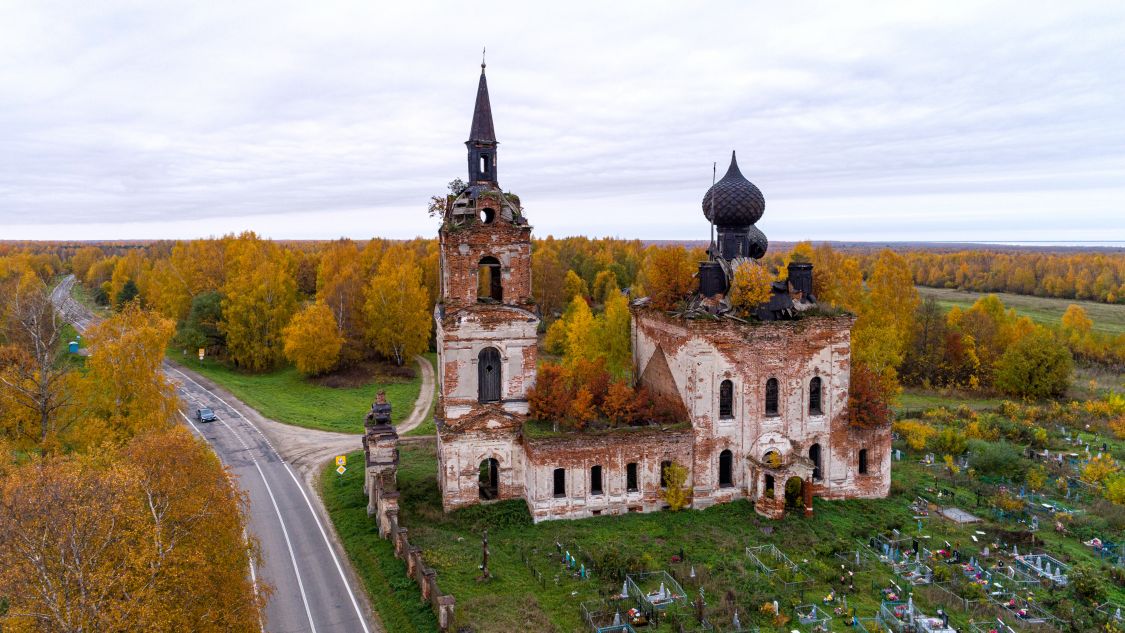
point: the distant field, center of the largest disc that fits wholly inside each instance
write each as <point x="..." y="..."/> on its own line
<point x="1108" y="319"/>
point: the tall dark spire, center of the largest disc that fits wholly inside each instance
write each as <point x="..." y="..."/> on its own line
<point x="482" y="114"/>
<point x="482" y="138"/>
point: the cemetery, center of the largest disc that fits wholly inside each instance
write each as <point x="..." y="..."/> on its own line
<point x="1038" y="556"/>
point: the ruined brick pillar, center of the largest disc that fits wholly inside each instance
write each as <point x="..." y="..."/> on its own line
<point x="807" y="490"/>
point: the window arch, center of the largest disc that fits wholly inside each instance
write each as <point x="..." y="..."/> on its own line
<point x="488" y="480"/>
<point x="488" y="375"/>
<point x="488" y="279"/>
<point x="726" y="399"/>
<point x="814" y="396"/>
<point x="726" y="462"/>
<point x="814" y="455"/>
<point x="863" y="461"/>
<point x="771" y="396"/>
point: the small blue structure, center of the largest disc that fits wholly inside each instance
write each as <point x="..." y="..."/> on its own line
<point x="73" y="347"/>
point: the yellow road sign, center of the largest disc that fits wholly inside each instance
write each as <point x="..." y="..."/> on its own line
<point x="201" y="353"/>
<point x="341" y="460"/>
<point x="340" y="469"/>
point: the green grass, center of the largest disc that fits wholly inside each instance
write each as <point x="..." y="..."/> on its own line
<point x="395" y="597"/>
<point x="80" y="293"/>
<point x="917" y="400"/>
<point x="1108" y="318"/>
<point x="286" y="396"/>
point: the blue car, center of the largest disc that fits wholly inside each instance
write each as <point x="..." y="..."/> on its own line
<point x="205" y="415"/>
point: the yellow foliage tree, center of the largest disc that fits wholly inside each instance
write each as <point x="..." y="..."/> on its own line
<point x="547" y="277"/>
<point x="1036" y="478"/>
<point x="676" y="492"/>
<point x="605" y="286"/>
<point x="668" y="274"/>
<point x="1100" y="468"/>
<point x="574" y="286"/>
<point x="124" y="390"/>
<point x="581" y="339"/>
<point x="147" y="538"/>
<point x="750" y="286"/>
<point x="614" y="334"/>
<point x="916" y="434"/>
<point x="312" y="340"/>
<point x="259" y="298"/>
<point x="340" y="281"/>
<point x="397" y="307"/>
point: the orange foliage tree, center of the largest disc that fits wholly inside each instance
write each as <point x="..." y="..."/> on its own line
<point x="313" y="340"/>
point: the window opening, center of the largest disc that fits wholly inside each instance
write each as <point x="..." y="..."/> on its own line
<point x="726" y="479"/>
<point x="488" y="279"/>
<point x="863" y="461"/>
<point x="726" y="399"/>
<point x="488" y="375"/>
<point x="631" y="477"/>
<point x="560" y="482"/>
<point x="814" y="455"/>
<point x="596" y="480"/>
<point x="814" y="396"/>
<point x="489" y="479"/>
<point x="771" y="396"/>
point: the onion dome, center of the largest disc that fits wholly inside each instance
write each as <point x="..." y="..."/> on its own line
<point x="757" y="244"/>
<point x="738" y="202"/>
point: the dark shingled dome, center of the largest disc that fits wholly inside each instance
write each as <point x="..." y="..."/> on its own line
<point x="758" y="243"/>
<point x="737" y="201"/>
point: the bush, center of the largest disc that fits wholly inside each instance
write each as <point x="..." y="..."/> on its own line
<point x="997" y="459"/>
<point x="1036" y="366"/>
<point x="949" y="441"/>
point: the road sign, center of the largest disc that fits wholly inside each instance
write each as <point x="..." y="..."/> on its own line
<point x="340" y="469"/>
<point x="341" y="460"/>
<point x="201" y="353"/>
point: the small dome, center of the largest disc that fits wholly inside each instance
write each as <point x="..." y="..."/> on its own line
<point x="757" y="242"/>
<point x="737" y="201"/>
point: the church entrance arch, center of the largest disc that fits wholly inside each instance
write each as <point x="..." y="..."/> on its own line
<point x="488" y="479"/>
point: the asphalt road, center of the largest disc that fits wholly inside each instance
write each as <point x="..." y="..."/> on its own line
<point x="312" y="586"/>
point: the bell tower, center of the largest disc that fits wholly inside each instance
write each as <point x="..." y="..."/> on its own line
<point x="486" y="325"/>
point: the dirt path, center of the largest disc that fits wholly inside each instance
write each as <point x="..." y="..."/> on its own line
<point x="425" y="400"/>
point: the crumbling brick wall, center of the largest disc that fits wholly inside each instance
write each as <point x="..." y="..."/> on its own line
<point x="578" y="452"/>
<point x="700" y="354"/>
<point x="463" y="248"/>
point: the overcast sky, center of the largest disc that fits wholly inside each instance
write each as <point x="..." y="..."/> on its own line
<point x="858" y="121"/>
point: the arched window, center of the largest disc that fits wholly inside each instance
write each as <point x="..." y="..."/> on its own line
<point x="769" y="487"/>
<point x="814" y="396"/>
<point x="771" y="396"/>
<point x="664" y="466"/>
<point x="488" y="481"/>
<point x="726" y="479"/>
<point x="488" y="375"/>
<point x="631" y="483"/>
<point x="814" y="455"/>
<point x="560" y="482"/>
<point x="488" y="279"/>
<point x="863" y="461"/>
<point x="596" y="480"/>
<point x="726" y="399"/>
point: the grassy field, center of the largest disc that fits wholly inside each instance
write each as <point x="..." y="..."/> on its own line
<point x="541" y="594"/>
<point x="286" y="396"/>
<point x="915" y="400"/>
<point x="395" y="597"/>
<point x="1108" y="318"/>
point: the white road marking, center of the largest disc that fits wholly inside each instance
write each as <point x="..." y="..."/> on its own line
<point x="323" y="534"/>
<point x="277" y="510"/>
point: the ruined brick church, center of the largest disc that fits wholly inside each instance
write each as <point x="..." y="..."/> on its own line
<point x="766" y="400"/>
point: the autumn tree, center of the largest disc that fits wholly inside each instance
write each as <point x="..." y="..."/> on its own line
<point x="259" y="298"/>
<point x="35" y="383"/>
<point x="313" y="340"/>
<point x="146" y="538"/>
<point x="125" y="391"/>
<point x="341" y="279"/>
<point x="676" y="493"/>
<point x="574" y="286"/>
<point x="396" y="308"/>
<point x="202" y="328"/>
<point x="1036" y="366"/>
<point x="605" y="286"/>
<point x="581" y="339"/>
<point x="868" y="406"/>
<point x="669" y="275"/>
<point x="613" y="335"/>
<point x="750" y="286"/>
<point x="547" y="276"/>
